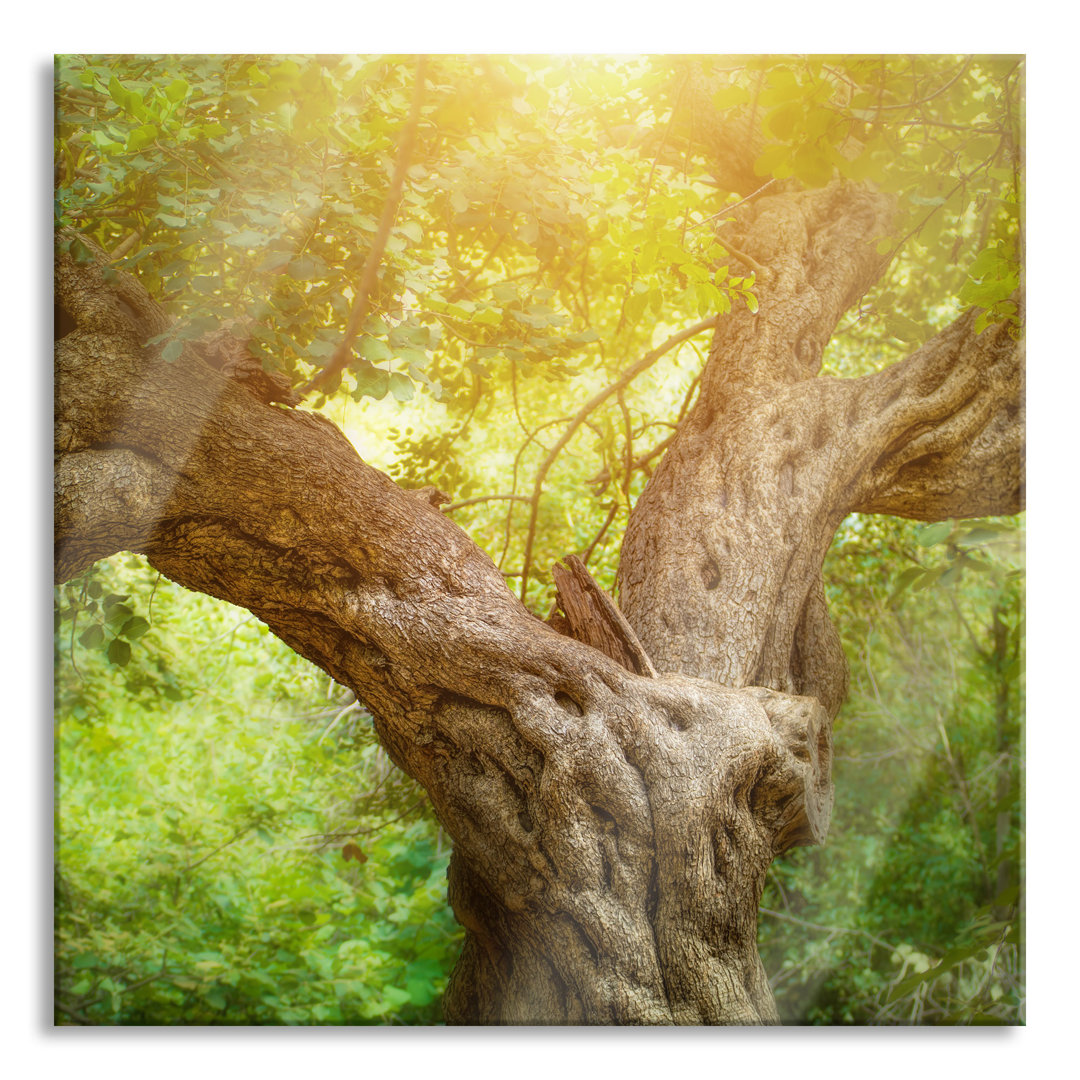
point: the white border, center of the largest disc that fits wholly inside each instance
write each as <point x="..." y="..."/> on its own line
<point x="555" y="26"/>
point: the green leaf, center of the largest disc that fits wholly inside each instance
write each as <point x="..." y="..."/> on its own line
<point x="177" y="90"/>
<point x="396" y="996"/>
<point x="420" y="991"/>
<point x="370" y="380"/>
<point x="775" y="161"/>
<point x="374" y="350"/>
<point x="119" y="652"/>
<point x="205" y="284"/>
<point x="134" y="628"/>
<point x="247" y="238"/>
<point x="172" y="351"/>
<point x="782" y="120"/>
<point x="80" y="252"/>
<point x="982" y="534"/>
<point x="117" y="613"/>
<point x="92" y="636"/>
<point x="928" y="579"/>
<point x="401" y="386"/>
<point x="304" y="269"/>
<point x="636" y="304"/>
<point x="907" y="578"/>
<point x="905" y="329"/>
<point x="320" y="350"/>
<point x="142" y="137"/>
<point x="117" y="92"/>
<point x="934" y="534"/>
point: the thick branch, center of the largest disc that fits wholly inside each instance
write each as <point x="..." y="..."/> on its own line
<point x="818" y="249"/>
<point x="720" y="574"/>
<point x="948" y="424"/>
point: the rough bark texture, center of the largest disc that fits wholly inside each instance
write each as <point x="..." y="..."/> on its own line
<point x="720" y="573"/>
<point x="593" y="617"/>
<point x="612" y="826"/>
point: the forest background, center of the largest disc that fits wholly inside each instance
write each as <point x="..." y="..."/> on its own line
<point x="1050" y="649"/>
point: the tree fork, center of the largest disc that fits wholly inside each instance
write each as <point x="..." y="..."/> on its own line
<point x="611" y="831"/>
<point x="720" y="569"/>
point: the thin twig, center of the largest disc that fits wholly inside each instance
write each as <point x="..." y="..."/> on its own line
<point x="351" y="707"/>
<point x="594" y="402"/>
<point x="514" y="478"/>
<point x="761" y="271"/>
<point x="602" y="478"/>
<point x="329" y="838"/>
<point x="612" y="511"/>
<point x="463" y="287"/>
<point x="232" y="840"/>
<point x="826" y="929"/>
<point x="664" y="138"/>
<point x="479" y="499"/>
<point x="629" y="448"/>
<point x="734" y="206"/>
<point x="922" y="101"/>
<point x="82" y="1018"/>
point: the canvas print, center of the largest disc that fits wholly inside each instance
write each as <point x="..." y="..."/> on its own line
<point x="539" y="540"/>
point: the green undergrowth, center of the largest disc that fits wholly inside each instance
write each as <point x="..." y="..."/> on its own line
<point x="231" y="845"/>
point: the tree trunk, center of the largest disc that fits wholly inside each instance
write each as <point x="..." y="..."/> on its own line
<point x="612" y="826"/>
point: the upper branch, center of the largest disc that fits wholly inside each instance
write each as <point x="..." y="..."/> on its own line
<point x="818" y="253"/>
<point x="947" y="427"/>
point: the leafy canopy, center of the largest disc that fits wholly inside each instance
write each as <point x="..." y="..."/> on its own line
<point x="559" y="216"/>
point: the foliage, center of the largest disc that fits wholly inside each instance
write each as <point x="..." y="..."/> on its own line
<point x="912" y="913"/>
<point x="555" y="224"/>
<point x="231" y="845"/>
<point x="561" y="217"/>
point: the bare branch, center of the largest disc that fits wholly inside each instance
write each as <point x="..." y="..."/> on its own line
<point x="592" y="404"/>
<point x="949" y="426"/>
<point x="481" y="499"/>
<point x="612" y="511"/>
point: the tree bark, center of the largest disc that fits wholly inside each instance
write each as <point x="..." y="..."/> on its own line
<point x="720" y="571"/>
<point x="612" y="826"/>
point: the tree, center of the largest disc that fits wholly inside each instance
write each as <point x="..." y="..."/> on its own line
<point x="616" y="778"/>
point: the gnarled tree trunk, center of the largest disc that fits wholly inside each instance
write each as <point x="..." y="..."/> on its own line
<point x="613" y="809"/>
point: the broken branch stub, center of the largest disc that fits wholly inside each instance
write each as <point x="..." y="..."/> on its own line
<point x="593" y="618"/>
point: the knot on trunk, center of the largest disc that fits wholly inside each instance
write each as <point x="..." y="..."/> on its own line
<point x="227" y="349"/>
<point x="800" y="789"/>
